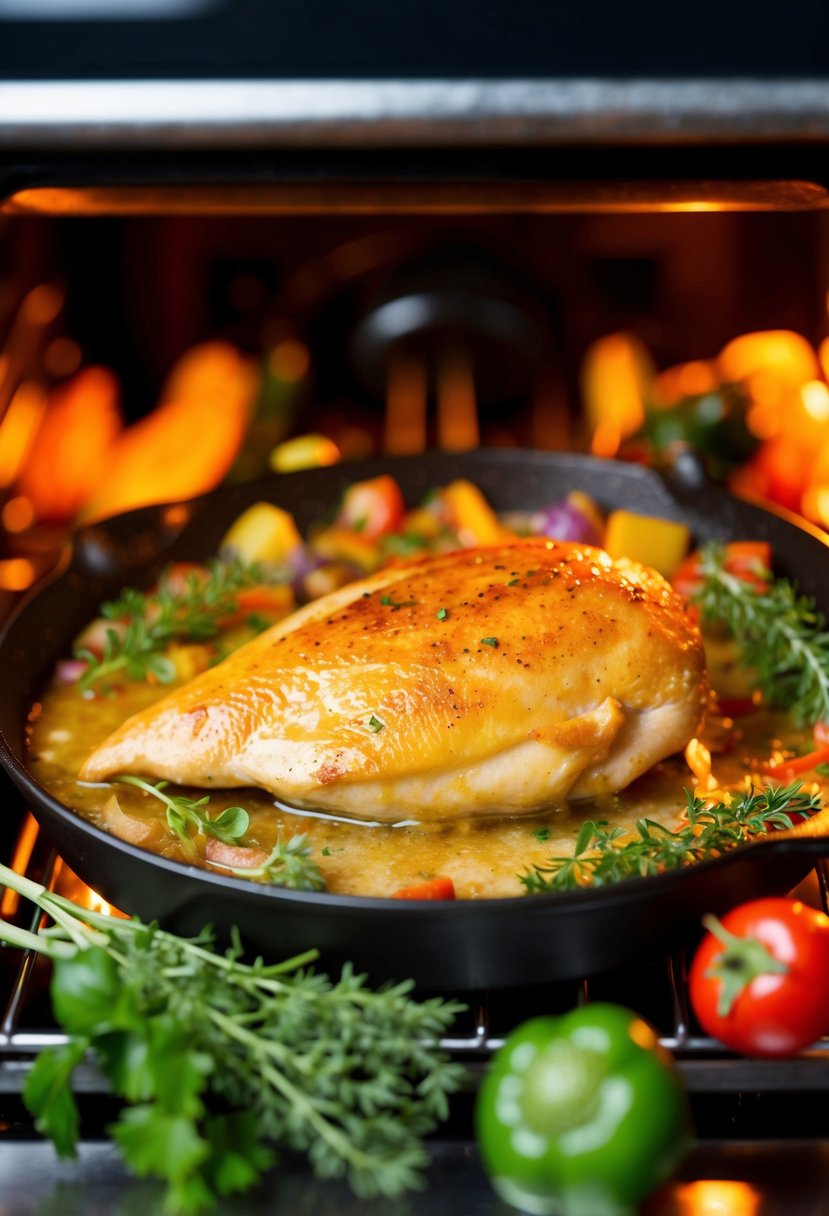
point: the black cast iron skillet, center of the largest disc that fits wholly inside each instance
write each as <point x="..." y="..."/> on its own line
<point x="462" y="945"/>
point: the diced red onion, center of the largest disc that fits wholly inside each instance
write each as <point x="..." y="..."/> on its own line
<point x="563" y="521"/>
<point x="69" y="671"/>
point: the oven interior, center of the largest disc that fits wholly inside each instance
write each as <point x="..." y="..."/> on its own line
<point x="447" y="320"/>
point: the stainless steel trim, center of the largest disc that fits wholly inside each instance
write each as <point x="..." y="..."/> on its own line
<point x="397" y="113"/>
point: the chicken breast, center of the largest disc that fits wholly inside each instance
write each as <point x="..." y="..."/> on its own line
<point x="478" y="682"/>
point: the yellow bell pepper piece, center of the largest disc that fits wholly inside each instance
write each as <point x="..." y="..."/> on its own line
<point x="472" y="516"/>
<point x="660" y="543"/>
<point x="304" y="452"/>
<point x="263" y="533"/>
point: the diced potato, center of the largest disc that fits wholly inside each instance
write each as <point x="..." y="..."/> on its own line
<point x="189" y="660"/>
<point x="660" y="543"/>
<point x="326" y="578"/>
<point x="422" y="523"/>
<point x="263" y="533"/>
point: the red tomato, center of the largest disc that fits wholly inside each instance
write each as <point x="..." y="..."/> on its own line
<point x="759" y="981"/>
<point x="433" y="888"/>
<point x="372" y="507"/>
<point x="180" y="576"/>
<point x="749" y="560"/>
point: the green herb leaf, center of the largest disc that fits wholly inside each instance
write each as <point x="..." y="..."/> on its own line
<point x="351" y="1076"/>
<point x="781" y="635"/>
<point x="287" y="865"/>
<point x="375" y="725"/>
<point x="48" y="1096"/>
<point x="489" y="641"/>
<point x="441" y="614"/>
<point x="599" y="859"/>
<point x="389" y="602"/>
<point x="542" y="834"/>
<point x="149" y="622"/>
<point x="184" y="813"/>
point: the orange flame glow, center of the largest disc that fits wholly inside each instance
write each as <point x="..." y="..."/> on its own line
<point x="69" y="453"/>
<point x="186" y="446"/>
<point x="717" y="1197"/>
<point x="20" y="860"/>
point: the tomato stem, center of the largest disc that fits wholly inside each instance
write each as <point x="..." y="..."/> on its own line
<point x="741" y="960"/>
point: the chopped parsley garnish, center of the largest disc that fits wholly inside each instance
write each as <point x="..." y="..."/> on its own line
<point x="374" y="724"/>
<point x="513" y="582"/>
<point x="441" y="614"/>
<point x="388" y="602"/>
<point x="542" y="834"/>
<point x="489" y="641"/>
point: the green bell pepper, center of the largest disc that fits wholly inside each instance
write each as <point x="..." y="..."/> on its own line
<point x="581" y="1115"/>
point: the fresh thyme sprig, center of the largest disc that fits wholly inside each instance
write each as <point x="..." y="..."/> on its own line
<point x="353" y="1077"/>
<point x="149" y="622"/>
<point x="287" y="865"/>
<point x="780" y="632"/>
<point x="604" y="855"/>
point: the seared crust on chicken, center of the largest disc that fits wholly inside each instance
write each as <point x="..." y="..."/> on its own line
<point x="478" y="682"/>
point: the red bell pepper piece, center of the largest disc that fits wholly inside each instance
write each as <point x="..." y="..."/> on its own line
<point x="433" y="888"/>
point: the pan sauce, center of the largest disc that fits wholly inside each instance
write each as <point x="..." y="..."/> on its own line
<point x="482" y="857"/>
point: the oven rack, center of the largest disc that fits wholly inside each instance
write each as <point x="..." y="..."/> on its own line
<point x="706" y="1066"/>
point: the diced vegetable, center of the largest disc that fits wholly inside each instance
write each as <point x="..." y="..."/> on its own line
<point x="582" y="1114"/>
<point x="564" y="521"/>
<point x="465" y="509"/>
<point x="263" y="533"/>
<point x="433" y="888"/>
<point x="748" y="560"/>
<point x="189" y="660"/>
<point x="178" y="578"/>
<point x="94" y="636"/>
<point x="591" y="510"/>
<point x="660" y="543"/>
<point x="69" y="671"/>
<point x="372" y="507"/>
<point x="797" y="765"/>
<point x="270" y="600"/>
<point x="304" y="452"/>
<point x="340" y="544"/>
<point x="325" y="578"/>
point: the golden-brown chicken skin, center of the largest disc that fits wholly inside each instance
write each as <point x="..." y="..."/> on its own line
<point x="484" y="681"/>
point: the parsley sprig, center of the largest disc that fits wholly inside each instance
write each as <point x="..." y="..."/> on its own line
<point x="287" y="865"/>
<point x="353" y="1077"/>
<point x="144" y="624"/>
<point x="604" y="855"/>
<point x="780" y="632"/>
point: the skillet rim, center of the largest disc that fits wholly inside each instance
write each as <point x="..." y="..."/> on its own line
<point x="623" y="892"/>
